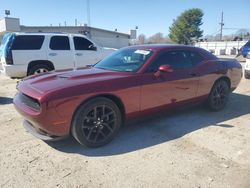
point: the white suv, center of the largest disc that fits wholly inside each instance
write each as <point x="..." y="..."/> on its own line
<point x="25" y="54"/>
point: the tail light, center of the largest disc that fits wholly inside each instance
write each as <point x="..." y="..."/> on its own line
<point x="8" y="57"/>
<point x="8" y="50"/>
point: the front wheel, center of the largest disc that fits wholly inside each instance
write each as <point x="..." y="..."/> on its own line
<point x="96" y="122"/>
<point x="218" y="96"/>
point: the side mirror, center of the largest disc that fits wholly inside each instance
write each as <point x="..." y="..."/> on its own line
<point x="92" y="47"/>
<point x="165" y="68"/>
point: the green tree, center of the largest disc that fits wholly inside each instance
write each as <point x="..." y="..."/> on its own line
<point x="186" y="27"/>
<point x="141" y="39"/>
<point x="156" y="38"/>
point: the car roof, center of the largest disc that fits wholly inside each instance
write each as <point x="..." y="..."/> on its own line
<point x="162" y="47"/>
<point x="49" y="34"/>
<point x="156" y="47"/>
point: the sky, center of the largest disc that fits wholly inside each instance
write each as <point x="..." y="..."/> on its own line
<point x="151" y="16"/>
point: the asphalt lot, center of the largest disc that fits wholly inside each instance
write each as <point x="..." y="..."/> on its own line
<point x="189" y="148"/>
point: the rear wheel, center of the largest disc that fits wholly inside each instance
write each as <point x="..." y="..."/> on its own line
<point x="38" y="69"/>
<point x="218" y="96"/>
<point x="96" y="122"/>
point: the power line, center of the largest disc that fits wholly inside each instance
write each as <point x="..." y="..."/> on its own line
<point x="216" y="32"/>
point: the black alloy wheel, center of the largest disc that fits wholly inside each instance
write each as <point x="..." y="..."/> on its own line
<point x="219" y="95"/>
<point x="96" y="122"/>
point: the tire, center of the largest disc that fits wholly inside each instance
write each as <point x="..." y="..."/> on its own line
<point x="247" y="76"/>
<point x="39" y="68"/>
<point x="96" y="122"/>
<point x="218" y="96"/>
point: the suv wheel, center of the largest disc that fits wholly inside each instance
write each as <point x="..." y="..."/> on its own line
<point x="38" y="69"/>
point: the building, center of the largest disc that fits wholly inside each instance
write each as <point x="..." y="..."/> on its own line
<point x="222" y="47"/>
<point x="102" y="37"/>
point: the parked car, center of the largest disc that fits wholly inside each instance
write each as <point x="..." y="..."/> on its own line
<point x="245" y="49"/>
<point x="93" y="103"/>
<point x="32" y="53"/>
<point x="247" y="66"/>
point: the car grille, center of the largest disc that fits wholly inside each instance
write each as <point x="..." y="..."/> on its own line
<point x="29" y="101"/>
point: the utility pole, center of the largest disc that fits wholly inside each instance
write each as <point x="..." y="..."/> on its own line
<point x="88" y="17"/>
<point x="88" y="13"/>
<point x="221" y="26"/>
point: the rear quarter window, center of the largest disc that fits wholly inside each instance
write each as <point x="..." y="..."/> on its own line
<point x="206" y="54"/>
<point x="28" y="42"/>
<point x="195" y="58"/>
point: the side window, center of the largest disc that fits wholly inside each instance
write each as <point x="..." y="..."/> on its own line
<point x="82" y="43"/>
<point x="28" y="42"/>
<point x="59" y="43"/>
<point x="195" y="58"/>
<point x="176" y="59"/>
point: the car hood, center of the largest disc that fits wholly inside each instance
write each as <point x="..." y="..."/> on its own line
<point x="40" y="85"/>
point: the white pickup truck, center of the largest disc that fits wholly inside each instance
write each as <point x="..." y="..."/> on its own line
<point x="24" y="54"/>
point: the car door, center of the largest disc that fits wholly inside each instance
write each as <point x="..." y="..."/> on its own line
<point x="172" y="87"/>
<point x="86" y="53"/>
<point x="60" y="53"/>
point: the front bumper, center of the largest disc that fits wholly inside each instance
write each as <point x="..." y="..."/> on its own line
<point x="247" y="72"/>
<point x="39" y="133"/>
<point x="48" y="123"/>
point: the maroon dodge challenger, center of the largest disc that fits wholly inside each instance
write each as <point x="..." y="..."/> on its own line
<point x="92" y="103"/>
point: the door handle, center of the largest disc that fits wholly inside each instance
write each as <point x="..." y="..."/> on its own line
<point x="78" y="54"/>
<point x="52" y="54"/>
<point x="193" y="74"/>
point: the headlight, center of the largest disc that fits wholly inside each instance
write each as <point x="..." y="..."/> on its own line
<point x="30" y="102"/>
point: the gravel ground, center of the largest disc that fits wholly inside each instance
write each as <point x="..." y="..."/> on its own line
<point x="188" y="148"/>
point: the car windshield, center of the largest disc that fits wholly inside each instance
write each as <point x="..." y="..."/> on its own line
<point x="125" y="60"/>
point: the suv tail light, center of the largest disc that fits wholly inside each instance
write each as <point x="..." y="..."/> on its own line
<point x="7" y="51"/>
<point x="8" y="57"/>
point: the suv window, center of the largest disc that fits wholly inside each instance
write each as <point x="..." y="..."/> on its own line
<point x="82" y="43"/>
<point x="28" y="42"/>
<point x="59" y="43"/>
<point x="176" y="59"/>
